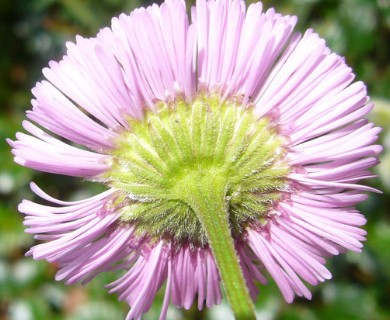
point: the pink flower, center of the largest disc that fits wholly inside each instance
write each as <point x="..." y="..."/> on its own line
<point x="95" y="96"/>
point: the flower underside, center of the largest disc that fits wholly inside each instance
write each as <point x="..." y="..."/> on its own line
<point x="157" y="165"/>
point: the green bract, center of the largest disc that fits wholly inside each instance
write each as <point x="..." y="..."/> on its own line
<point x="159" y="163"/>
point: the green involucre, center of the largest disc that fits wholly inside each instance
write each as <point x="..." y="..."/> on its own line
<point x="163" y="156"/>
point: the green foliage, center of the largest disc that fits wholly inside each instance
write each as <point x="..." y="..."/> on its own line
<point x="34" y="32"/>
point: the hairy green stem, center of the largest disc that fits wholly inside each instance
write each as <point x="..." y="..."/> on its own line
<point x="207" y="197"/>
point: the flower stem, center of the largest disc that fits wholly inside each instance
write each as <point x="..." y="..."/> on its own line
<point x="206" y="194"/>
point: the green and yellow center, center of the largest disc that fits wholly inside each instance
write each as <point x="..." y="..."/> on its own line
<point x="204" y="149"/>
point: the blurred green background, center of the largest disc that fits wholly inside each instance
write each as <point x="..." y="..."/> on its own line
<point x="32" y="32"/>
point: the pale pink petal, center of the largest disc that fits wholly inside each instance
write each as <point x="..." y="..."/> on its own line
<point x="45" y="153"/>
<point x="141" y="283"/>
<point x="83" y="238"/>
<point x="183" y="284"/>
<point x="201" y="276"/>
<point x="194" y="273"/>
<point x="236" y="51"/>
<point x="116" y="41"/>
<point x="330" y="108"/>
<point x="160" y="48"/>
<point x="213" y="290"/>
<point x="57" y="113"/>
<point x="91" y="77"/>
<point x="250" y="270"/>
<point x="168" y="290"/>
<point x="306" y="74"/>
<point x="349" y="237"/>
<point x="260" y="247"/>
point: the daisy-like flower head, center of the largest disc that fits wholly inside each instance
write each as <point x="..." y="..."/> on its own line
<point x="231" y="147"/>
